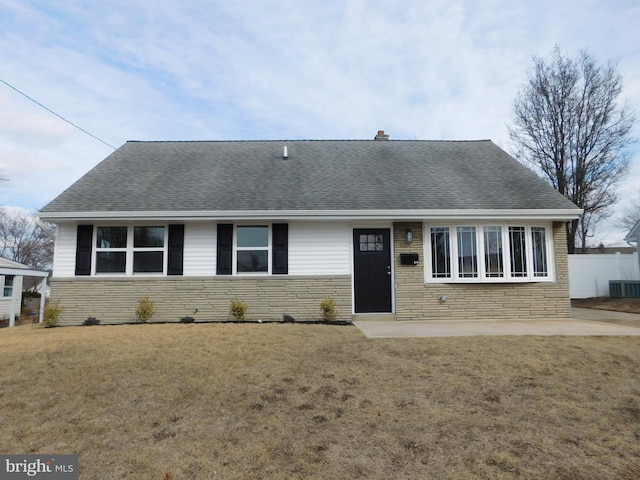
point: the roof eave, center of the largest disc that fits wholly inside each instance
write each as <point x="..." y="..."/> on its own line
<point x="249" y="215"/>
<point x="634" y="233"/>
<point x="24" y="272"/>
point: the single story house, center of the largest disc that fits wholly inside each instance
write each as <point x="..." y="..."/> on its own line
<point x="11" y="280"/>
<point x="408" y="230"/>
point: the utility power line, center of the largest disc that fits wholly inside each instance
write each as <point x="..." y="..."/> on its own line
<point x="57" y="115"/>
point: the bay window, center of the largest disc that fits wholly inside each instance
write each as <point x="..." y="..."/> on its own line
<point x="518" y="251"/>
<point x="467" y="252"/>
<point x="488" y="253"/>
<point x="440" y="254"/>
<point x="493" y="263"/>
<point x="539" y="245"/>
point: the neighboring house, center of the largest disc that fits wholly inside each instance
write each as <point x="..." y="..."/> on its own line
<point x="634" y="237"/>
<point x="11" y="280"/>
<point x="410" y="230"/>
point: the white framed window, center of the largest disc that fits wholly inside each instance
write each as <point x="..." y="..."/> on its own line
<point x="148" y="249"/>
<point x="252" y="249"/>
<point x="111" y="249"/>
<point x="130" y="250"/>
<point x="477" y="253"/>
<point x="7" y="290"/>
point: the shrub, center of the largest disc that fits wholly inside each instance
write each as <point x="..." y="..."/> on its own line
<point x="145" y="309"/>
<point x="52" y="312"/>
<point x="238" y="309"/>
<point x="91" y="321"/>
<point x="328" y="309"/>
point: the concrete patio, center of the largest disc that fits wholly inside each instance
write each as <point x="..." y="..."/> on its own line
<point x="583" y="322"/>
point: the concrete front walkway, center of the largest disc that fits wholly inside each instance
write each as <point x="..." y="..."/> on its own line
<point x="583" y="322"/>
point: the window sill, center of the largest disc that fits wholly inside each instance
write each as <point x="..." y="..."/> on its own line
<point x="484" y="281"/>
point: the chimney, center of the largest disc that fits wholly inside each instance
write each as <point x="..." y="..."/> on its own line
<point x="381" y="136"/>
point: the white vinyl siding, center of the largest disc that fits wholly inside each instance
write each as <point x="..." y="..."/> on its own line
<point x="315" y="248"/>
<point x="321" y="248"/>
<point x="64" y="254"/>
<point x="199" y="249"/>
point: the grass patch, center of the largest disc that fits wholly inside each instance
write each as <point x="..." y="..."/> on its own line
<point x="235" y="401"/>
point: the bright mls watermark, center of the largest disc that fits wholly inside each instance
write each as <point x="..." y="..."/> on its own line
<point x="49" y="467"/>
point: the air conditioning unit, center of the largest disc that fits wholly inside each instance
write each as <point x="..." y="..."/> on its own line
<point x="624" y="288"/>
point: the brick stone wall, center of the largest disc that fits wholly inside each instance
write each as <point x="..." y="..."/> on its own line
<point x="416" y="300"/>
<point x="113" y="300"/>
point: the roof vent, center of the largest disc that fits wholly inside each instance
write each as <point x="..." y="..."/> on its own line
<point x="381" y="136"/>
<point x="284" y="154"/>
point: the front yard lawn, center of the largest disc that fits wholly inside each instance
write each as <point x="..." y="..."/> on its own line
<point x="234" y="401"/>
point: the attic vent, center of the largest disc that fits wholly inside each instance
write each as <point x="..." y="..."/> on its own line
<point x="381" y="136"/>
<point x="284" y="155"/>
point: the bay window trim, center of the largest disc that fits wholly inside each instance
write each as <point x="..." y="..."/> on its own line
<point x="483" y="275"/>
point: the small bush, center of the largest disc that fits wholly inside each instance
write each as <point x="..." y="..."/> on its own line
<point x="52" y="312"/>
<point x="91" y="321"/>
<point x="238" y="309"/>
<point x="145" y="309"/>
<point x="328" y="309"/>
<point x="187" y="320"/>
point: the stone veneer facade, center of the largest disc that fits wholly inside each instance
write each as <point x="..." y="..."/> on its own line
<point x="114" y="300"/>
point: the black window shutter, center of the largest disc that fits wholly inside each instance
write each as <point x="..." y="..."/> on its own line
<point x="224" y="257"/>
<point x="84" y="243"/>
<point x="280" y="254"/>
<point x="176" y="250"/>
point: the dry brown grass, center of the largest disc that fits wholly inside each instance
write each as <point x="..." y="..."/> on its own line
<point x="233" y="401"/>
<point x="628" y="305"/>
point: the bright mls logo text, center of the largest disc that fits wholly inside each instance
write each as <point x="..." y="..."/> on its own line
<point x="30" y="468"/>
<point x="59" y="467"/>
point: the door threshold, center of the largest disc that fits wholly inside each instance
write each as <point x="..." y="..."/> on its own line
<point x="374" y="317"/>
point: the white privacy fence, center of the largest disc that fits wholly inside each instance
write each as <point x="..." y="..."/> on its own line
<point x="589" y="275"/>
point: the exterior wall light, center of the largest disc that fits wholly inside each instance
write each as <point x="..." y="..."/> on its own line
<point x="409" y="233"/>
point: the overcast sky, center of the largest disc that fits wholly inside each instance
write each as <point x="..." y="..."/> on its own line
<point x="285" y="69"/>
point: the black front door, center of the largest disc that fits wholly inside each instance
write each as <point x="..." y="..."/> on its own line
<point x="372" y="269"/>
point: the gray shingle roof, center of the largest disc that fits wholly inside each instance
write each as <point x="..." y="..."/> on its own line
<point x="317" y="175"/>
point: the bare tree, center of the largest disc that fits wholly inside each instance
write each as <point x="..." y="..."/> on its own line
<point x="22" y="240"/>
<point x="570" y="130"/>
<point x="630" y="215"/>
